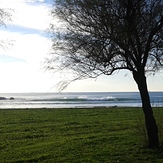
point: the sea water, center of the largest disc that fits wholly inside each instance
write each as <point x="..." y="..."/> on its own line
<point x="76" y="100"/>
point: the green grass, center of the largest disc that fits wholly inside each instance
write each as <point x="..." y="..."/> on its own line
<point x="97" y="135"/>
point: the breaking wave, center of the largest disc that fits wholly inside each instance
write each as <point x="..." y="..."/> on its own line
<point x="85" y="99"/>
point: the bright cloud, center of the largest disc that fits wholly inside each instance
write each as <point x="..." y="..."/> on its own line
<point x="26" y="47"/>
<point x="28" y="14"/>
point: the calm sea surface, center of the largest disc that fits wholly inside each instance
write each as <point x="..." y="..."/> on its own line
<point x="76" y="100"/>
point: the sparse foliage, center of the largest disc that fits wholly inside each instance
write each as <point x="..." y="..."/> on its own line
<point x="5" y="16"/>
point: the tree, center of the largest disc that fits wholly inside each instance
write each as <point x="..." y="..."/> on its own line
<point x="101" y="37"/>
<point x="5" y="16"/>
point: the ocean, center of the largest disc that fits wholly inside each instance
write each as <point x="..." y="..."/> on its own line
<point x="76" y="100"/>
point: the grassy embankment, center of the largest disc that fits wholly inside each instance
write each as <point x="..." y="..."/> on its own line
<point x="75" y="136"/>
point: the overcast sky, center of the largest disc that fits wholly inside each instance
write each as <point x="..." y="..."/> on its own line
<point x="21" y="63"/>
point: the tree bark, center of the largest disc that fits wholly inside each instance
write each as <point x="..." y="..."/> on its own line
<point x="151" y="126"/>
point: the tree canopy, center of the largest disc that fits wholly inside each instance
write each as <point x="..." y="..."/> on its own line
<point x="100" y="37"/>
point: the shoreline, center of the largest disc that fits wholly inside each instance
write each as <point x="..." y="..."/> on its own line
<point x="77" y="100"/>
<point x="79" y="108"/>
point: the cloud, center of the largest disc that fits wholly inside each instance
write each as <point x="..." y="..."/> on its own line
<point x="27" y="30"/>
<point x="26" y="1"/>
<point x="29" y="47"/>
<point x="24" y="30"/>
<point x="9" y="59"/>
<point x="27" y="44"/>
<point x="28" y="14"/>
<point x="37" y="2"/>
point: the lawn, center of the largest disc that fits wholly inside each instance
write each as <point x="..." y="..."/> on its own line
<point x="96" y="135"/>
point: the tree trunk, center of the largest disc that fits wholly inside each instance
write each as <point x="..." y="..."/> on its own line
<point x="151" y="126"/>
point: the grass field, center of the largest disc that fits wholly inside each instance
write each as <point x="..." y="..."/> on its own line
<point x="97" y="135"/>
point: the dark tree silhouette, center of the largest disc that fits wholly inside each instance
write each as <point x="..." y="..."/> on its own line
<point x="99" y="37"/>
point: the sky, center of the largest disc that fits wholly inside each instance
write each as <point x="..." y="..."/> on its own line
<point x="27" y="46"/>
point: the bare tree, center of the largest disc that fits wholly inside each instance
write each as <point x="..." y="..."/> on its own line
<point x="101" y="37"/>
<point x="5" y="16"/>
